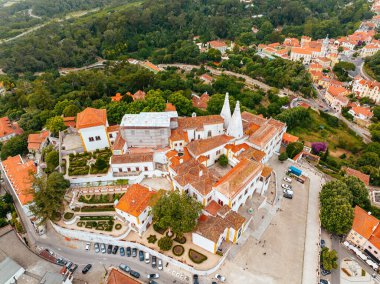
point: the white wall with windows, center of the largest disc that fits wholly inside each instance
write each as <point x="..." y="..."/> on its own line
<point x="94" y="138"/>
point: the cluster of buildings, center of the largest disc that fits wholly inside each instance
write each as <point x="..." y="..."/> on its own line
<point x="181" y="149"/>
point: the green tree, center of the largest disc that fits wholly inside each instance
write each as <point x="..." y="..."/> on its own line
<point x="341" y="70"/>
<point x="294" y="117"/>
<point x="17" y="145"/>
<point x="329" y="259"/>
<point x="223" y="160"/>
<point x="359" y="192"/>
<point x="101" y="164"/>
<point x="283" y="156"/>
<point x="48" y="198"/>
<point x="183" y="105"/>
<point x="176" y="211"/>
<point x="374" y="129"/>
<point x="55" y="125"/>
<point x="376" y="113"/>
<point x="214" y="55"/>
<point x="165" y="243"/>
<point x="70" y="110"/>
<point x="52" y="160"/>
<point x="293" y="149"/>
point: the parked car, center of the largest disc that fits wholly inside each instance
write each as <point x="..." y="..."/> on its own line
<point x="153" y="276"/>
<point x="115" y="249"/>
<point x="134" y="252"/>
<point x="287" y="179"/>
<point x="109" y="249"/>
<point x="103" y="248"/>
<point x="147" y="257"/>
<point x="195" y="279"/>
<point x="96" y="247"/>
<point x="73" y="268"/>
<point x="159" y="265"/>
<point x="141" y="255"/>
<point x="286" y="186"/>
<point x="323" y="281"/>
<point x="88" y="245"/>
<point x="154" y="261"/>
<point x="288" y="191"/>
<point x="122" y="251"/>
<point x="124" y="267"/>
<point x="69" y="264"/>
<point x="128" y="251"/>
<point x="152" y="282"/>
<point x="323" y="243"/>
<point x="220" y="277"/>
<point x="86" y="268"/>
<point x="325" y="272"/>
<point x="134" y="274"/>
<point x="287" y="195"/>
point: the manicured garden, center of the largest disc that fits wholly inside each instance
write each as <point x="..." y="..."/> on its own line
<point x="101" y="223"/>
<point x="100" y="208"/>
<point x="89" y="162"/>
<point x="100" y="198"/>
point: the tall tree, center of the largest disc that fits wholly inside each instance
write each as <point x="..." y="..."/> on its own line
<point x="55" y="124"/>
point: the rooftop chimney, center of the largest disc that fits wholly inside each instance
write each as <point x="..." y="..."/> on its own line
<point x="201" y="173"/>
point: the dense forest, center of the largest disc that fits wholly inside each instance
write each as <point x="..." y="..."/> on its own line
<point x="372" y="66"/>
<point x="163" y="30"/>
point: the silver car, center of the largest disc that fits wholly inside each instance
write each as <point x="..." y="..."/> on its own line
<point x="96" y="247"/>
<point x="103" y="248"/>
<point x="159" y="264"/>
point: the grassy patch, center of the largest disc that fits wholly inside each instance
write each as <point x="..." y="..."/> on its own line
<point x="78" y="164"/>
<point x="196" y="256"/>
<point x="178" y="250"/>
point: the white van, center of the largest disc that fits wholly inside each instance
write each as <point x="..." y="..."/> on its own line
<point x="147" y="257"/>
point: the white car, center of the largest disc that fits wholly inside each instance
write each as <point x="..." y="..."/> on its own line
<point x="287" y="179"/>
<point x="88" y="246"/>
<point x="153" y="276"/>
<point x="286" y="186"/>
<point x="159" y="264"/>
<point x="220" y="277"/>
<point x="288" y="191"/>
<point x="96" y="247"/>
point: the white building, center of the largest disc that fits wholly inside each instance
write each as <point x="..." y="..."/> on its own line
<point x="10" y="271"/>
<point x="369" y="50"/>
<point x="132" y="164"/>
<point x="134" y="207"/>
<point x="8" y="129"/>
<point x="92" y="126"/>
<point x="364" y="88"/>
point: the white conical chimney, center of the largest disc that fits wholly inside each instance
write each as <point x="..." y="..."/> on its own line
<point x="226" y="111"/>
<point x="235" y="127"/>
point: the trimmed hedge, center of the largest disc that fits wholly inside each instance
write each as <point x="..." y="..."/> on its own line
<point x="159" y="229"/>
<point x="92" y="218"/>
<point x="181" y="240"/>
<point x="165" y="243"/>
<point x="196" y="256"/>
<point x="152" y="239"/>
<point x="118" y="226"/>
<point x="68" y="215"/>
<point x="98" y="208"/>
<point x="178" y="250"/>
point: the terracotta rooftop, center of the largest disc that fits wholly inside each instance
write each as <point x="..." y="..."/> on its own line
<point x="363" y="111"/>
<point x="337" y="91"/>
<point x="198" y="122"/>
<point x="69" y="121"/>
<point x="213" y="227"/>
<point x="289" y="138"/>
<point x="36" y="139"/>
<point x="113" y="128"/>
<point x="364" y="224"/>
<point x="263" y="135"/>
<point x="217" y="43"/>
<point x="7" y="127"/>
<point x="151" y="66"/>
<point x="198" y="147"/>
<point x="213" y="208"/>
<point x="266" y="171"/>
<point x="117" y="98"/>
<point x="170" y="107"/>
<point x="197" y="175"/>
<point x="132" y="158"/>
<point x="363" y="177"/>
<point x="91" y="117"/>
<point x="238" y="177"/>
<point x="19" y="175"/>
<point x="135" y="200"/>
<point x="119" y="143"/>
<point x="201" y="102"/>
<point x="139" y="95"/>
<point x="117" y="277"/>
<point x="179" y="135"/>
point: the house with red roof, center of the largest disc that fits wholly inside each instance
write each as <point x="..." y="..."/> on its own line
<point x="92" y="127"/>
<point x="337" y="97"/>
<point x="201" y="102"/>
<point x="37" y="141"/>
<point x="117" y="98"/>
<point x="8" y="129"/>
<point x="362" y="115"/>
<point x="355" y="173"/>
<point x="135" y="207"/>
<point x="366" y="88"/>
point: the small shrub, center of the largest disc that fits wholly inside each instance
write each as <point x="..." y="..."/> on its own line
<point x="178" y="250"/>
<point x="196" y="256"/>
<point x="159" y="229"/>
<point x="118" y="226"/>
<point x="152" y="239"/>
<point x="180" y="239"/>
<point x="283" y="156"/>
<point x="165" y="243"/>
<point x="80" y="224"/>
<point x="68" y="215"/>
<point x="223" y="160"/>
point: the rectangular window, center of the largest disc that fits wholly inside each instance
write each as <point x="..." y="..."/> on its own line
<point x="194" y="195"/>
<point x="145" y="168"/>
<point x="218" y="152"/>
<point x="97" y="138"/>
<point x="120" y="170"/>
<point x="111" y="135"/>
<point x="137" y="169"/>
<point x="246" y="191"/>
<point x="91" y="139"/>
<point x="208" y="199"/>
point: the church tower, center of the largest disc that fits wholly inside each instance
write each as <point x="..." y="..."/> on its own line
<point x="226" y="112"/>
<point x="325" y="46"/>
<point x="235" y="127"/>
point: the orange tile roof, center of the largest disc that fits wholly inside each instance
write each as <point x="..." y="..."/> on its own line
<point x="363" y="177"/>
<point x="363" y="110"/>
<point x="375" y="238"/>
<point x="119" y="143"/>
<point x="289" y="138"/>
<point x="19" y="175"/>
<point x="201" y="102"/>
<point x="171" y="154"/>
<point x="196" y="174"/>
<point x="364" y="224"/>
<point x="267" y="171"/>
<point x="132" y="158"/>
<point x="139" y="95"/>
<point x="135" y="200"/>
<point x="337" y="91"/>
<point x="238" y="177"/>
<point x="69" y="121"/>
<point x="152" y="66"/>
<point x="91" y="117"/>
<point x="198" y="122"/>
<point x="170" y="107"/>
<point x="117" y="277"/>
<point x="302" y="50"/>
<point x="113" y="128"/>
<point x="217" y="43"/>
<point x="206" y="77"/>
<point x="213" y="208"/>
<point x="263" y="135"/>
<point x="7" y="127"/>
<point x="198" y="147"/>
<point x="179" y="135"/>
<point x="117" y="98"/>
<point x="36" y="139"/>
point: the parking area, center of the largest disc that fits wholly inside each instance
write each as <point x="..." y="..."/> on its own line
<point x="278" y="256"/>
